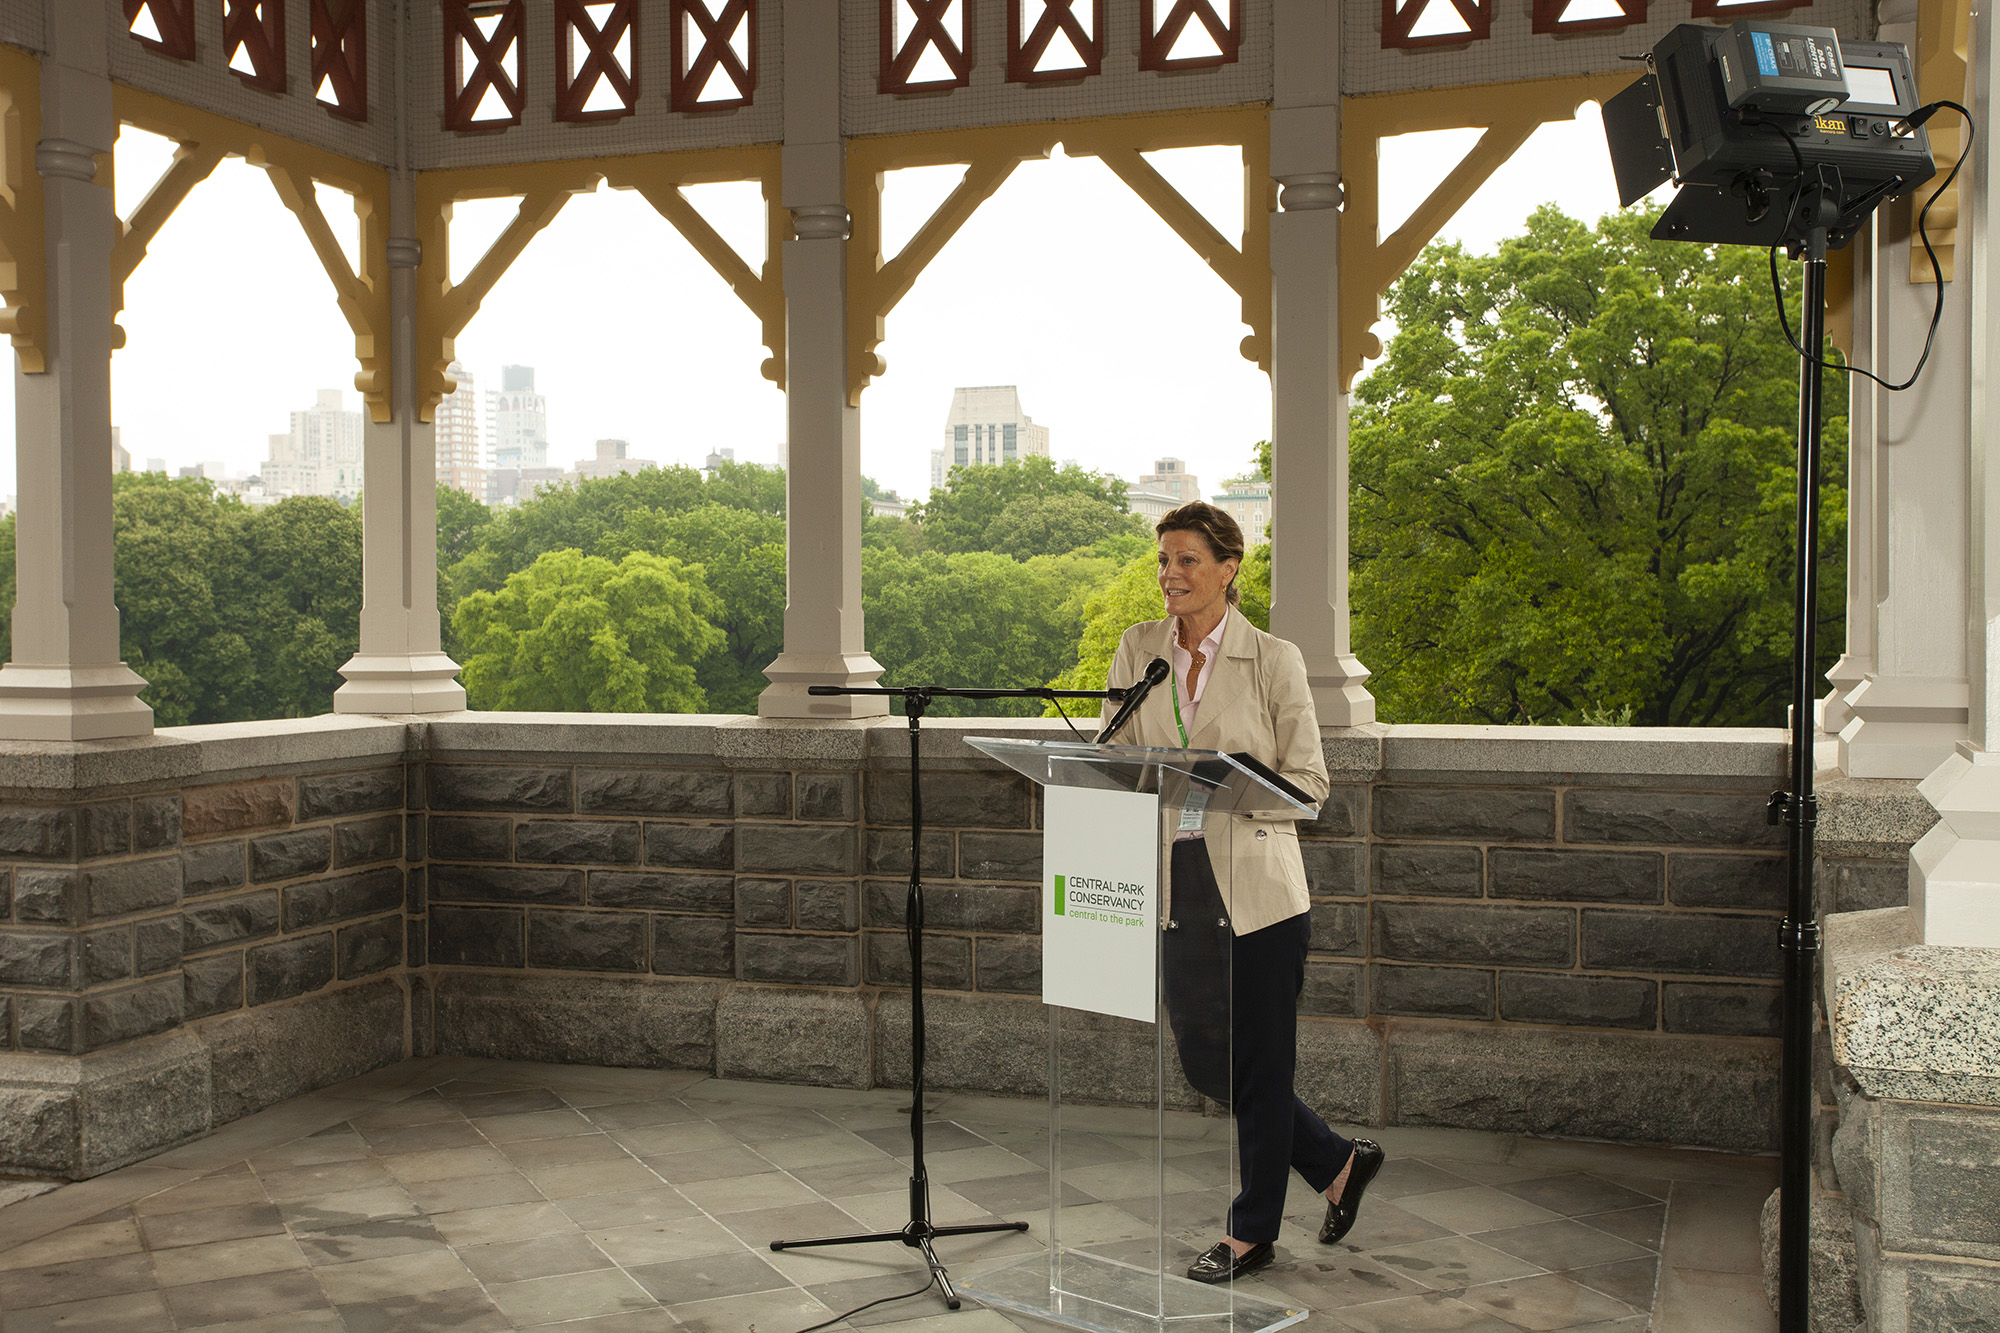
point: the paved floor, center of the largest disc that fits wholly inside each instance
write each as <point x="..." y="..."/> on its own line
<point x="463" y="1194"/>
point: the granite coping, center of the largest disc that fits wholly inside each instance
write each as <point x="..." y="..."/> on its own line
<point x="1910" y="1021"/>
<point x="1869" y="816"/>
<point x="1652" y="756"/>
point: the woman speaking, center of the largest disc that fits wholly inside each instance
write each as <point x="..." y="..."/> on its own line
<point x="1237" y="689"/>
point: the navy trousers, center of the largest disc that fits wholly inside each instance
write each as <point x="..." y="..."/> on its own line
<point x="1233" y="1003"/>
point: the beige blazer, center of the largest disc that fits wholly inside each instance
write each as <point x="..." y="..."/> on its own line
<point x="1256" y="701"/>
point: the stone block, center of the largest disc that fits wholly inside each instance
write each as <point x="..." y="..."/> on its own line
<point x="1670" y="818"/>
<point x="1015" y="908"/>
<point x="691" y="846"/>
<point x="368" y="948"/>
<point x="808" y="960"/>
<point x="587" y="941"/>
<point x="359" y="841"/>
<point x="214" y="867"/>
<point x="47" y="897"/>
<point x="1833" y="1295"/>
<point x="1335" y="869"/>
<point x="417" y="890"/>
<point x="1705" y="1092"/>
<point x="974" y="799"/>
<point x="6" y="893"/>
<point x="693" y="946"/>
<point x="629" y="1022"/>
<point x="1465" y="813"/>
<point x="332" y="795"/>
<point x="212" y="985"/>
<point x="887" y="852"/>
<point x="131" y="886"/>
<point x="476" y="937"/>
<point x="1760" y="882"/>
<point x="1723" y="1010"/>
<point x="1340" y="1070"/>
<point x="824" y="1038"/>
<point x="763" y="795"/>
<point x="1573" y="1000"/>
<point x="1428" y="870"/>
<point x="107" y="955"/>
<point x="947" y="960"/>
<point x="80" y="1117"/>
<point x="1939" y="1198"/>
<point x="577" y="842"/>
<point x="289" y="967"/>
<point x="38" y="958"/>
<point x="698" y="793"/>
<point x="265" y="1056"/>
<point x="1339" y="928"/>
<point x="506" y="884"/>
<point x="1861" y="886"/>
<point x="156" y="822"/>
<point x="209" y="812"/>
<point x="104" y="828"/>
<point x="1015" y="856"/>
<point x="1344" y="814"/>
<point x="46" y="832"/>
<point x="289" y="855"/>
<point x="663" y="890"/>
<point x="1475" y="933"/>
<point x="416" y="837"/>
<point x="974" y="1043"/>
<point x="824" y="905"/>
<point x="157" y="945"/>
<point x="498" y="789"/>
<point x="48" y="1022"/>
<point x="423" y="1016"/>
<point x="416" y="942"/>
<point x="796" y="849"/>
<point x="1576" y="876"/>
<point x="343" y="898"/>
<point x="471" y="837"/>
<point x="1008" y="963"/>
<point x="830" y="796"/>
<point x="764" y="902"/>
<point x="1688" y="943"/>
<point x="6" y="1027"/>
<point x="1334" y="990"/>
<point x="126" y="1015"/>
<point x="1431" y="992"/>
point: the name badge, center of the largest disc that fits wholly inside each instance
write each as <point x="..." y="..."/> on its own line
<point x="1192" y="810"/>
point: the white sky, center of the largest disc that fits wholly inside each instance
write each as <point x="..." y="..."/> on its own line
<point x="1121" y="341"/>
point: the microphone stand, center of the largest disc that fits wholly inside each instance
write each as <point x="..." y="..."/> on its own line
<point x="920" y="1231"/>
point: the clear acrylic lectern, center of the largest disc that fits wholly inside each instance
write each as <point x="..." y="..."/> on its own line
<point x="1137" y="986"/>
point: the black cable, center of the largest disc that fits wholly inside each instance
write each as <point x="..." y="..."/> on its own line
<point x="829" y="1323"/>
<point x="1057" y="703"/>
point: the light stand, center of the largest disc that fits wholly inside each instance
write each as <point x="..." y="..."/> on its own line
<point x="920" y="1231"/>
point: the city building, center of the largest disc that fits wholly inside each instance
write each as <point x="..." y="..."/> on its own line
<point x="321" y="455"/>
<point x="460" y="453"/>
<point x="121" y="457"/>
<point x="1171" y="477"/>
<point x="611" y="460"/>
<point x="716" y="458"/>
<point x="1248" y="501"/>
<point x="1150" y="502"/>
<point x="986" y="425"/>
<point x="517" y="421"/>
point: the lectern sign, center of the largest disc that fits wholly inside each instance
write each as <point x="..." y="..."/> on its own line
<point x="1100" y="902"/>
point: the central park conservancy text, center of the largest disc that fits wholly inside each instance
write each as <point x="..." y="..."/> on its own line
<point x="1104" y="893"/>
<point x="1108" y="918"/>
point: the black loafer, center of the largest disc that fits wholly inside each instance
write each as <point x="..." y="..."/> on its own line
<point x="1222" y="1264"/>
<point x="1368" y="1158"/>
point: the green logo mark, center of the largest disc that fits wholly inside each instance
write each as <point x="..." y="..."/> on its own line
<point x="1062" y="895"/>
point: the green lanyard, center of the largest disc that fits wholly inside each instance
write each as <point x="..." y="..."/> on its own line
<point x="1173" y="678"/>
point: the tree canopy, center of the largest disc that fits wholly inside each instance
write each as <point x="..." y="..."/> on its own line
<point x="1024" y="508"/>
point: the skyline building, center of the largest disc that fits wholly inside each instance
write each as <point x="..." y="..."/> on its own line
<point x="986" y="425"/>
<point x="320" y="455"/>
<point x="1248" y="501"/>
<point x="1168" y="486"/>
<point x="612" y="459"/>
<point x="517" y="421"/>
<point x="460" y="453"/>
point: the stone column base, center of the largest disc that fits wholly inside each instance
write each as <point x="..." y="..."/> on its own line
<point x="80" y="1116"/>
<point x="44" y="703"/>
<point x="1340" y="697"/>
<point x="400" y="683"/>
<point x="1902" y="727"/>
<point x="792" y="673"/>
<point x="1955" y="868"/>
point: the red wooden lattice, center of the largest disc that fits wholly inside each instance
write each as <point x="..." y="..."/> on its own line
<point x="706" y="40"/>
<point x="1160" y="33"/>
<point x="1549" y="17"/>
<point x="599" y="82"/>
<point x="1058" y="18"/>
<point x="928" y="33"/>
<point x="173" y="20"/>
<point x="340" y="56"/>
<point x="482" y="40"/>
<point x="1397" y="24"/>
<point x="1718" y="9"/>
<point x="253" y="42"/>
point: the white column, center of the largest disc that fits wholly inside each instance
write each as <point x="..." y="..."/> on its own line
<point x="1308" y="409"/>
<point x="823" y="633"/>
<point x="65" y="680"/>
<point x="400" y="666"/>
<point x="1858" y="659"/>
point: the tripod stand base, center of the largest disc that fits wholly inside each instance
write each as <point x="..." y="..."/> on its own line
<point x="918" y="1235"/>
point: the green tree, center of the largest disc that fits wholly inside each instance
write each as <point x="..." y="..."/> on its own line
<point x="1571" y="482"/>
<point x="300" y="605"/>
<point x="577" y="633"/>
<point x="462" y="522"/>
<point x="1035" y="525"/>
<point x="977" y="500"/>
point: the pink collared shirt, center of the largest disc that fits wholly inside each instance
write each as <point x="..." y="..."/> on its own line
<point x="1190" y="695"/>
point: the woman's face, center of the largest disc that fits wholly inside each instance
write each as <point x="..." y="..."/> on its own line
<point x="1193" y="583"/>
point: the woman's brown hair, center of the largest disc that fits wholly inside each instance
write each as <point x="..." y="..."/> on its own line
<point x="1217" y="528"/>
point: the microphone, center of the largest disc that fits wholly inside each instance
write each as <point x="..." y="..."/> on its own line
<point x="1157" y="670"/>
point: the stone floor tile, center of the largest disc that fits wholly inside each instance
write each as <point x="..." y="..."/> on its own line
<point x="305" y="1182"/>
<point x="1382" y="1225"/>
<point x="1485" y="1173"/>
<point x="227" y="1258"/>
<point x="1653" y="1187"/>
<point x="198" y="1228"/>
<point x="974" y="1164"/>
<point x="133" y="1312"/>
<point x="77" y="1242"/>
<point x="1331" y="1280"/>
<point x="1641" y="1226"/>
<point x="968" y="1320"/>
<point x="1402" y="1176"/>
<point x="1089" y="1224"/>
<point x="569" y="1180"/>
<point x="323" y="1211"/>
<point x="1633" y="1281"/>
<point x="1693" y="1301"/>
<point x="376" y="1239"/>
<point x="578" y="1150"/>
<point x="655" y="1320"/>
<point x="79" y="1279"/>
<point x="211" y="1191"/>
<point x="434" y="1137"/>
<point x="1434" y="1313"/>
<point x="710" y="1164"/>
<point x="782" y="1308"/>
<point x="616" y="1116"/>
<point x="235" y="1299"/>
<point x="742" y="1194"/>
<point x="571" y="1296"/>
<point x="86" y="1201"/>
<point x="1545" y="1303"/>
<point x="314" y="1150"/>
<point x="1678" y="1164"/>
<point x="662" y="1242"/>
<point x="839" y="1263"/>
<point x="513" y="1221"/>
<point x="1022" y="1193"/>
<point x="890" y="1209"/>
<point x="1134" y="1180"/>
<point x="426" y="1108"/>
<point x="1475" y="1208"/>
<point x="460" y="1310"/>
<point x="869" y="1177"/>
<point x="450" y="1164"/>
<point x="848" y="1293"/>
<point x="1443" y="1146"/>
<point x="532" y="1125"/>
<point x="822" y="1150"/>
<point x="519" y="1101"/>
<point x="940" y="1136"/>
<point x="396" y="1275"/>
<point x="682" y="1136"/>
<point x="627" y="1208"/>
<point x="539" y="1256"/>
<point x="1562" y="1244"/>
<point x="304" y="1321"/>
<point x="707" y="1277"/>
<point x="768" y="1126"/>
<point x="1453" y="1263"/>
<point x="458" y="1193"/>
<point x="1714" y="1228"/>
<point x="1576" y="1193"/>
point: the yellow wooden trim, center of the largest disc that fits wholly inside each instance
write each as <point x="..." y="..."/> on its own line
<point x="1509" y="113"/>
<point x="23" y="263"/>
<point x="1944" y="44"/>
<point x="876" y="284"/>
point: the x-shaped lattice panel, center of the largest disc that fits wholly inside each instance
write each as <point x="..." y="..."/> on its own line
<point x="172" y="19"/>
<point x="1058" y="18"/>
<point x="1160" y="33"/>
<point x="1720" y="9"/>
<point x="590" y="48"/>
<point x="494" y="53"/>
<point x="927" y="33"/>
<point x="1549" y="17"/>
<point x="340" y="56"/>
<point x="253" y="34"/>
<point x="702" y="51"/>
<point x="1398" y="23"/>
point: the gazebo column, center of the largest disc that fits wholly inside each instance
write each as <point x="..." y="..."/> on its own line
<point x="400" y="666"/>
<point x="1858" y="658"/>
<point x="823" y="632"/>
<point x="1309" y="578"/>
<point x="65" y="680"/>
